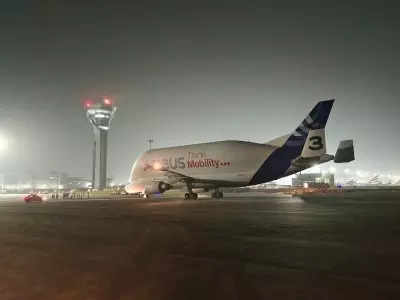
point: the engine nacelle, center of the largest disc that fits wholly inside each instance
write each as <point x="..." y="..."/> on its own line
<point x="156" y="188"/>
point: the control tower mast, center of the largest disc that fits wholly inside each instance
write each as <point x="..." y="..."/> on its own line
<point x="99" y="114"/>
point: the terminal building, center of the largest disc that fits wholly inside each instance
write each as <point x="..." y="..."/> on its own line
<point x="313" y="180"/>
<point x="43" y="184"/>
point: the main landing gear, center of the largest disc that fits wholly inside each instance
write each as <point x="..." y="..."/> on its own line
<point x="190" y="195"/>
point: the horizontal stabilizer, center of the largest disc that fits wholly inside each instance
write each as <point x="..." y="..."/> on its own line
<point x="345" y="152"/>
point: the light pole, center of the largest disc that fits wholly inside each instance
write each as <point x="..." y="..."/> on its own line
<point x="150" y="141"/>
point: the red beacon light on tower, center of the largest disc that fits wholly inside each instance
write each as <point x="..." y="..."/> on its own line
<point x="88" y="103"/>
<point x="107" y="101"/>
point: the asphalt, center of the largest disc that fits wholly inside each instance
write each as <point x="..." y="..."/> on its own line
<point x="237" y="248"/>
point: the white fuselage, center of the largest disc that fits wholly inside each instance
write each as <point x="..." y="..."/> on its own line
<point x="233" y="163"/>
<point x="228" y="163"/>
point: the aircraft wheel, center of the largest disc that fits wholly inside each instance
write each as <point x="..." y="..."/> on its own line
<point x="190" y="196"/>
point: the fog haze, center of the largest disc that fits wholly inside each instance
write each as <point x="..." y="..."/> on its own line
<point x="183" y="73"/>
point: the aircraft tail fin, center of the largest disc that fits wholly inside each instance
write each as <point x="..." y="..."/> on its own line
<point x="315" y="145"/>
<point x="316" y="119"/>
<point x="311" y="132"/>
<point x="308" y="139"/>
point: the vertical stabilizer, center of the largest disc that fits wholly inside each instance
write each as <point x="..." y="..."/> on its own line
<point x="315" y="144"/>
<point x="311" y="132"/>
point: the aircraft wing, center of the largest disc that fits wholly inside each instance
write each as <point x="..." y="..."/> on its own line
<point x="174" y="177"/>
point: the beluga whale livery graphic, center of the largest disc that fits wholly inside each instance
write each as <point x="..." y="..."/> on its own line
<point x="231" y="163"/>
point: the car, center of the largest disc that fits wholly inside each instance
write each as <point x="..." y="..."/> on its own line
<point x="33" y="198"/>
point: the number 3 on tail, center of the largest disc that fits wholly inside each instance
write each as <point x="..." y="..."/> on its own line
<point x="315" y="143"/>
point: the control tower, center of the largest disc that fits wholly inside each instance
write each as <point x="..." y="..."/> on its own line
<point x="99" y="114"/>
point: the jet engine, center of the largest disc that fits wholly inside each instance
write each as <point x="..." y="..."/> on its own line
<point x="156" y="188"/>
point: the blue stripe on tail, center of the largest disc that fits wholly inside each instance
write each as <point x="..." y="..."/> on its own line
<point x="279" y="161"/>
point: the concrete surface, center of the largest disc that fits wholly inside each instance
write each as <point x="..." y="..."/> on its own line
<point x="242" y="248"/>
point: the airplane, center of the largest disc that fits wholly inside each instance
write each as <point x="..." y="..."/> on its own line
<point x="351" y="182"/>
<point x="374" y="180"/>
<point x="232" y="163"/>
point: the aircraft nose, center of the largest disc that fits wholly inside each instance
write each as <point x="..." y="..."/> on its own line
<point x="134" y="188"/>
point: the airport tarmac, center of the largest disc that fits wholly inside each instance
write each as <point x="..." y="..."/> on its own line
<point x="236" y="248"/>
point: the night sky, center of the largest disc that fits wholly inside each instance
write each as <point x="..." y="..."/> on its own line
<point x="184" y="73"/>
